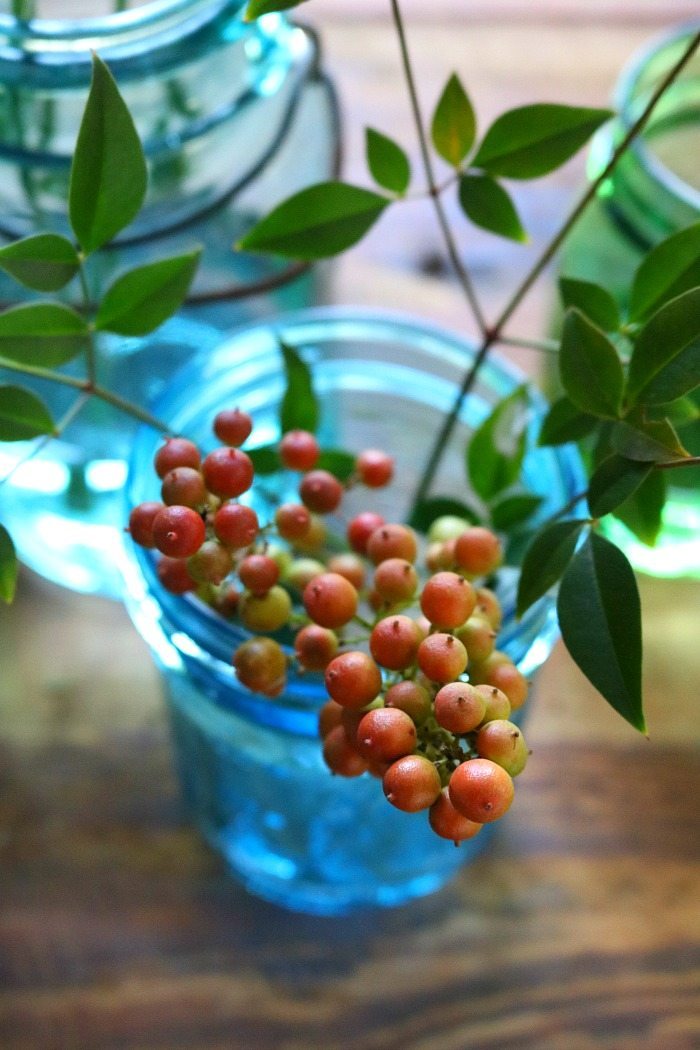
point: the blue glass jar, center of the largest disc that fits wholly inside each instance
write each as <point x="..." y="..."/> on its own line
<point x="251" y="768"/>
<point x="653" y="192"/>
<point x="234" y="116"/>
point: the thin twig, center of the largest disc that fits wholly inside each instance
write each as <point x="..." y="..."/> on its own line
<point x="543" y="346"/>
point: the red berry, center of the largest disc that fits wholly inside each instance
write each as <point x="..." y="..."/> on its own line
<point x="183" y="485"/>
<point x="507" y="678"/>
<point x="211" y="563"/>
<point x="299" y="450"/>
<point x="340" y="755"/>
<point x="374" y="468"/>
<point x="141" y="523"/>
<point x="315" y="647"/>
<point x="176" y="452"/>
<point x="410" y="697"/>
<point x="504" y="744"/>
<point x="349" y="566"/>
<point x="361" y="528"/>
<point x="478" y="551"/>
<point x="260" y="665"/>
<point x="320" y="491"/>
<point x="174" y="575"/>
<point x="411" y="783"/>
<point x="178" y="531"/>
<point x="228" y="472"/>
<point x="481" y="790"/>
<point x="395" y="580"/>
<point x="392" y="541"/>
<point x="394" y="642"/>
<point x="448" y="822"/>
<point x="459" y="707"/>
<point x="329" y="717"/>
<point x="478" y="637"/>
<point x="442" y="657"/>
<point x="258" y="573"/>
<point x="488" y="605"/>
<point x="330" y="600"/>
<point x="232" y="427"/>
<point x="293" y="521"/>
<point x="386" y="734"/>
<point x="236" y="525"/>
<point x="353" y="679"/>
<point x="447" y="600"/>
<point x="497" y="703"/>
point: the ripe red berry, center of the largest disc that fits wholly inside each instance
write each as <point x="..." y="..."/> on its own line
<point x="228" y="472"/>
<point x="349" y="566"/>
<point x="293" y="521"/>
<point x="260" y="665"/>
<point x="395" y="580"/>
<point x="411" y="783"/>
<point x="392" y="541"/>
<point x="315" y="647"/>
<point x="442" y="657"/>
<point x="410" y="697"/>
<point x="386" y="734"/>
<point x="488" y="605"/>
<point x="141" y="523"/>
<point x="174" y="575"/>
<point x="478" y="551"/>
<point x="340" y="755"/>
<point x="232" y="426"/>
<point x="459" y="707"/>
<point x="258" y="573"/>
<point x="504" y="744"/>
<point x="320" y="491"/>
<point x="178" y="531"/>
<point x="481" y="790"/>
<point x="176" y="452"/>
<point x="299" y="450"/>
<point x="353" y="679"/>
<point x="447" y="600"/>
<point x="374" y="468"/>
<point x="394" y="642"/>
<point x="448" y="822"/>
<point x="330" y="600"/>
<point x="329" y="717"/>
<point x="361" y="528"/>
<point x="183" y="485"/>
<point x="236" y="525"/>
<point x="507" y="678"/>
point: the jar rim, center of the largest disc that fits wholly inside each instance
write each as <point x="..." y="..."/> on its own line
<point x="624" y="97"/>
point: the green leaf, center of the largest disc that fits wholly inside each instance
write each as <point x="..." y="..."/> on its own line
<point x="44" y="262"/>
<point x="546" y="559"/>
<point x="140" y="300"/>
<point x="496" y="449"/>
<point x="564" y="422"/>
<point x="299" y="407"/>
<point x="530" y="141"/>
<point x="265" y="459"/>
<point x="337" y="462"/>
<point x="488" y="205"/>
<point x="317" y="222"/>
<point x="454" y="125"/>
<point x="22" y="415"/>
<point x="670" y="268"/>
<point x="592" y="300"/>
<point x="650" y="441"/>
<point x="8" y="566"/>
<point x="589" y="367"/>
<point x="513" y="510"/>
<point x="665" y="362"/>
<point x="642" y="512"/>
<point x="682" y="412"/>
<point x="108" y="175"/>
<point x="256" y="8"/>
<point x="44" y="334"/>
<point x="429" y="510"/>
<point x="388" y="164"/>
<point x="613" y="482"/>
<point x="600" y="621"/>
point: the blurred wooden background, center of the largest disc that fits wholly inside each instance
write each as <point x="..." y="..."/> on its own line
<point x="578" y="931"/>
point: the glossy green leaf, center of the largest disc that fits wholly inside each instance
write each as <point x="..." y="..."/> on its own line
<point x="108" y="175"/>
<point x="429" y="510"/>
<point x="453" y="127"/>
<point x="652" y="441"/>
<point x="299" y="407"/>
<point x="564" y="422"/>
<point x="256" y="8"/>
<point x="600" y="621"/>
<point x="590" y="370"/>
<point x="642" y="512"/>
<point x="140" y="300"/>
<point x="496" y="450"/>
<point x="488" y="204"/>
<point x="683" y="411"/>
<point x="592" y="300"/>
<point x="665" y="362"/>
<point x="265" y="459"/>
<point x="43" y="334"/>
<point x="670" y="268"/>
<point x="545" y="560"/>
<point x="530" y="141"/>
<point x="387" y="162"/>
<point x="613" y="482"/>
<point x="513" y="510"/>
<point x="337" y="462"/>
<point x="44" y="262"/>
<point x="22" y="415"/>
<point x="8" y="566"/>
<point x="317" y="222"/>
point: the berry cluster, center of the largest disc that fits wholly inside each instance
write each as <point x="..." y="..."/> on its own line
<point x="419" y="695"/>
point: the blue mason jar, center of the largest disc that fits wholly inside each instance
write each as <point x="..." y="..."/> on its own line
<point x="251" y="768"/>
<point x="653" y="193"/>
<point x="234" y="117"/>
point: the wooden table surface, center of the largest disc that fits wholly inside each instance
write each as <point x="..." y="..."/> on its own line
<point x="579" y="929"/>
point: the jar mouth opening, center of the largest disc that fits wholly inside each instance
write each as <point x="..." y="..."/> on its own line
<point x="147" y="15"/>
<point x="632" y="92"/>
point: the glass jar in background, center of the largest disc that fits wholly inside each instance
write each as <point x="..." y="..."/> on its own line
<point x="653" y="192"/>
<point x="251" y="768"/>
<point x="233" y="116"/>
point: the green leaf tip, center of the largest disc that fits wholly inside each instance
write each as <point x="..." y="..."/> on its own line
<point x="453" y="126"/>
<point x="8" y="567"/>
<point x="299" y="408"/>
